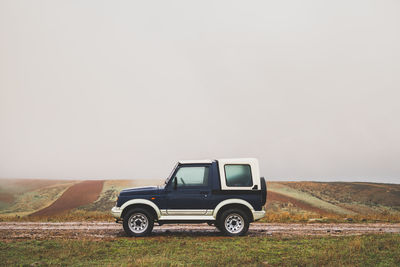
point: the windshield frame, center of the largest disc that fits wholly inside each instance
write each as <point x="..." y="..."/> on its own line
<point x="170" y="175"/>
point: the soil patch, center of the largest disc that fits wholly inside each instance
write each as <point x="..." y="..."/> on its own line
<point x="6" y="197"/>
<point x="77" y="195"/>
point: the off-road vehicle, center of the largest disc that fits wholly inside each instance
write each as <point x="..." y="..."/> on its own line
<point x="227" y="193"/>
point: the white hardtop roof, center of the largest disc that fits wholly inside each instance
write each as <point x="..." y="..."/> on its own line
<point x="195" y="161"/>
<point x="235" y="160"/>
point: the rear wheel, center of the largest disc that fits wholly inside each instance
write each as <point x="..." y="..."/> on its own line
<point x="233" y="222"/>
<point x="138" y="222"/>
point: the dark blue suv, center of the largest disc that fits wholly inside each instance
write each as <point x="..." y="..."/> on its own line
<point x="227" y="193"/>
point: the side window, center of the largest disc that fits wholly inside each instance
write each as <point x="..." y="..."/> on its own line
<point x="238" y="175"/>
<point x="192" y="176"/>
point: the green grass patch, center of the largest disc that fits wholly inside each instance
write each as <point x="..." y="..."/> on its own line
<point x="367" y="250"/>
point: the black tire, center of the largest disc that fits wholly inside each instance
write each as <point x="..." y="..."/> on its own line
<point x="233" y="222"/>
<point x="142" y="226"/>
<point x="217" y="226"/>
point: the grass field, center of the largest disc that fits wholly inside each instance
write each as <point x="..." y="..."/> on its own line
<point x="367" y="250"/>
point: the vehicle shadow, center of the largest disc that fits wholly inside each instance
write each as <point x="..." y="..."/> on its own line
<point x="186" y="233"/>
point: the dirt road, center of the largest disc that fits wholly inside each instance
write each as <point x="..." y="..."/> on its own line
<point x="107" y="230"/>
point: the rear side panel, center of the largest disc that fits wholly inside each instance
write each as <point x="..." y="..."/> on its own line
<point x="254" y="197"/>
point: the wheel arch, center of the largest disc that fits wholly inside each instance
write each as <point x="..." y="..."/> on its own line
<point x="234" y="204"/>
<point x="141" y="203"/>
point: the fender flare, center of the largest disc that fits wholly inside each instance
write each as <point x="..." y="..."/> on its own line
<point x="232" y="201"/>
<point x="143" y="202"/>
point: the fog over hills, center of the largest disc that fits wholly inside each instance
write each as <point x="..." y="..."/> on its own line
<point x="124" y="89"/>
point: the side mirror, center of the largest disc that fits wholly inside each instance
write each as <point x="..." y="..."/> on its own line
<point x="175" y="183"/>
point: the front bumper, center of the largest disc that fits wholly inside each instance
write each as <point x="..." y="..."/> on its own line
<point x="116" y="212"/>
<point x="258" y="214"/>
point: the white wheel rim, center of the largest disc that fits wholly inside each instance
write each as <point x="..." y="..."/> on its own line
<point x="138" y="223"/>
<point x="234" y="223"/>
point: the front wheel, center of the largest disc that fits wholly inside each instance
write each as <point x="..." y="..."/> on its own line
<point x="138" y="222"/>
<point x="234" y="222"/>
<point x="217" y="226"/>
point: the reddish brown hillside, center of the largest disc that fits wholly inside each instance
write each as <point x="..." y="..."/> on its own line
<point x="77" y="195"/>
<point x="6" y="197"/>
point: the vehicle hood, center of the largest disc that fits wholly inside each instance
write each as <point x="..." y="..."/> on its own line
<point x="140" y="191"/>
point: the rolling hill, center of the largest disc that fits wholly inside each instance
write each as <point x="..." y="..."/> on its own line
<point x="32" y="199"/>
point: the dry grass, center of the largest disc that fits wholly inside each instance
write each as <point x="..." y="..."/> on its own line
<point x="287" y="217"/>
<point x="73" y="215"/>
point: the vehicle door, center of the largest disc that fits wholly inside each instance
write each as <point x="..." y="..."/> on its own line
<point x="189" y="190"/>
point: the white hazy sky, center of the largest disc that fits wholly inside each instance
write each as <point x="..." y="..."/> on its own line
<point x="124" y="89"/>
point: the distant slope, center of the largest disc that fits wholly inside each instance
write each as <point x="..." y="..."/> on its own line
<point x="20" y="197"/>
<point x="23" y="196"/>
<point x="301" y="200"/>
<point x="335" y="198"/>
<point x="307" y="198"/>
<point x="111" y="189"/>
<point x="370" y="194"/>
<point x="75" y="196"/>
<point x="278" y="197"/>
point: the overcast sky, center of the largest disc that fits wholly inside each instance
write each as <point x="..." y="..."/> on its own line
<point x="124" y="89"/>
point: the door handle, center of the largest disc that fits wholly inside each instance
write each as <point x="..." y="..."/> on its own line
<point x="204" y="193"/>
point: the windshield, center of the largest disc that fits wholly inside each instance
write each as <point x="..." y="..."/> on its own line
<point x="170" y="175"/>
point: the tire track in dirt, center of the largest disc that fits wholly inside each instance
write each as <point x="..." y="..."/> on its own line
<point x="10" y="231"/>
<point x="77" y="195"/>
